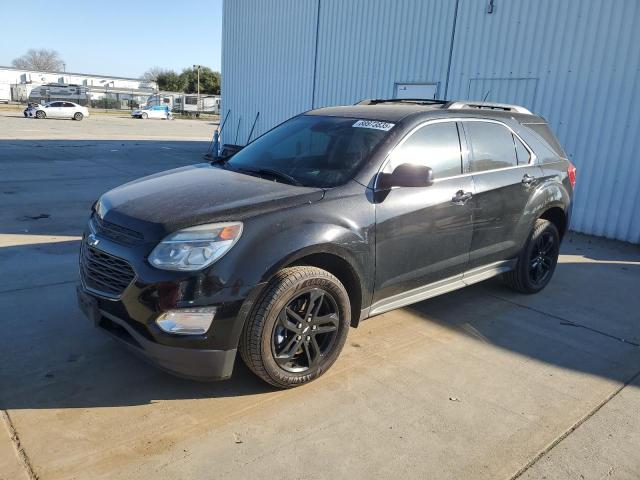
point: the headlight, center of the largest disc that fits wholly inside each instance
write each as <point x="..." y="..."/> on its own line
<point x="195" y="248"/>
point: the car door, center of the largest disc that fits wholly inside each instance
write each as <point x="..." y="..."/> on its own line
<point x="423" y="234"/>
<point x="158" y="112"/>
<point x="54" y="110"/>
<point x="68" y="110"/>
<point x="505" y="177"/>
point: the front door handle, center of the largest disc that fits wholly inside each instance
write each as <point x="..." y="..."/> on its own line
<point x="461" y="197"/>
<point x="528" y="179"/>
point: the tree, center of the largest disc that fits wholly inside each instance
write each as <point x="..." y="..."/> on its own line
<point x="153" y="73"/>
<point x="209" y="80"/>
<point x="42" y="59"/>
<point x="170" y="81"/>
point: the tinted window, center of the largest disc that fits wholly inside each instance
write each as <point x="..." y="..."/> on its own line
<point x="69" y="105"/>
<point x="315" y="150"/>
<point x="436" y="146"/>
<point x="55" y="104"/>
<point x="543" y="130"/>
<point x="491" y="146"/>
<point x="521" y="152"/>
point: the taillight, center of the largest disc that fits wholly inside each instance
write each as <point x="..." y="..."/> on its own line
<point x="571" y="172"/>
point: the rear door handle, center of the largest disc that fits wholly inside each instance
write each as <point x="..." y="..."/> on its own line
<point x="461" y="197"/>
<point x="528" y="179"/>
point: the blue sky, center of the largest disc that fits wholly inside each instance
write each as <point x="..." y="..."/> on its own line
<point x="118" y="37"/>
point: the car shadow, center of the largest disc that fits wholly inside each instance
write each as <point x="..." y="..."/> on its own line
<point x="55" y="359"/>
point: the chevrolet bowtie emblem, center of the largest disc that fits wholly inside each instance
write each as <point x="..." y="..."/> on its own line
<point x="92" y="240"/>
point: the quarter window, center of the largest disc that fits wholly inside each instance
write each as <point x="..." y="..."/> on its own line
<point x="521" y="152"/>
<point x="436" y="146"/>
<point x="492" y="146"/>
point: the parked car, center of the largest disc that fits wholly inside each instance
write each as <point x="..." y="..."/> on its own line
<point x="153" y="111"/>
<point x="334" y="216"/>
<point x="56" y="110"/>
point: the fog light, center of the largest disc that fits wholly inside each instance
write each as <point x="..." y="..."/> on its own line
<point x="187" y="321"/>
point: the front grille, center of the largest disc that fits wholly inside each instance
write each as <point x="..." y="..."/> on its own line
<point x="104" y="273"/>
<point x="115" y="233"/>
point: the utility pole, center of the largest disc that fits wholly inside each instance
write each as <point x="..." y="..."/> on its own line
<point x="198" y="67"/>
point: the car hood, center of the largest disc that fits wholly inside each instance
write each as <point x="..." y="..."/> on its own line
<point x="188" y="196"/>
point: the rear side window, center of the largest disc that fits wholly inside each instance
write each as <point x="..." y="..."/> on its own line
<point x="436" y="146"/>
<point x="543" y="130"/>
<point x="492" y="146"/>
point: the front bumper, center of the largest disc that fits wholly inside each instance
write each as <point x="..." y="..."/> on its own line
<point x="130" y="317"/>
<point x="196" y="364"/>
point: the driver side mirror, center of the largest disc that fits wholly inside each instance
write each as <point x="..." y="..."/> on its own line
<point x="406" y="175"/>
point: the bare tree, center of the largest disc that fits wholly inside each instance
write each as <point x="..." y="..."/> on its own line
<point x="153" y="73"/>
<point x="41" y="59"/>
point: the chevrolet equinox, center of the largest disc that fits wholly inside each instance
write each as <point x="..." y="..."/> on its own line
<point x="334" y="216"/>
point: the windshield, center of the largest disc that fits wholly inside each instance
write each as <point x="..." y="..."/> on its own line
<point x="312" y="150"/>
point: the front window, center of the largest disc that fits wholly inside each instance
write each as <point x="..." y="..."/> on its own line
<point x="313" y="150"/>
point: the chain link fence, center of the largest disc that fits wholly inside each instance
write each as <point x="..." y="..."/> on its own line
<point x="110" y="98"/>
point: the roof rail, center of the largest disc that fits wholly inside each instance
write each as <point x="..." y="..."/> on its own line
<point x="489" y="106"/>
<point x="412" y="101"/>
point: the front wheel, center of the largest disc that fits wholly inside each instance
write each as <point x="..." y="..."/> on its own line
<point x="144" y="116"/>
<point x="40" y="114"/>
<point x="298" y="327"/>
<point x="537" y="261"/>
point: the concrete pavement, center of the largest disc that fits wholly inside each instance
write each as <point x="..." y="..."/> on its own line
<point x="480" y="383"/>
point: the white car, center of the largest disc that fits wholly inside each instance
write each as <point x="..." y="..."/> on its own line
<point x="155" y="111"/>
<point x="57" y="110"/>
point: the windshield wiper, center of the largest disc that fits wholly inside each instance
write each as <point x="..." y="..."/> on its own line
<point x="274" y="173"/>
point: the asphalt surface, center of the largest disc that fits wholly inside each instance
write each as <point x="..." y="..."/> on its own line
<point x="480" y="383"/>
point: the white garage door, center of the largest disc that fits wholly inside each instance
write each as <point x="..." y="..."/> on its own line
<point x="416" y="90"/>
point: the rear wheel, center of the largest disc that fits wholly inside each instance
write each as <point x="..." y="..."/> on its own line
<point x="298" y="327"/>
<point x="78" y="116"/>
<point x="537" y="260"/>
<point x="40" y="114"/>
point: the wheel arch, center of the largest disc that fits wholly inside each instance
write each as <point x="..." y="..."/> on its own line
<point x="334" y="261"/>
<point x="558" y="217"/>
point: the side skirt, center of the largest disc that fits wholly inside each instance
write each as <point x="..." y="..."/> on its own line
<point x="442" y="286"/>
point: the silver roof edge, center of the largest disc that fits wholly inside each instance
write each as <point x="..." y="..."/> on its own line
<point x="489" y="105"/>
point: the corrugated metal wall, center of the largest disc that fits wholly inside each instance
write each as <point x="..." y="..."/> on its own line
<point x="581" y="59"/>
<point x="366" y="47"/>
<point x="268" y="56"/>
<point x="576" y="62"/>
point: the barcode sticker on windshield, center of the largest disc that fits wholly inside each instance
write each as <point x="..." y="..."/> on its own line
<point x="374" y="124"/>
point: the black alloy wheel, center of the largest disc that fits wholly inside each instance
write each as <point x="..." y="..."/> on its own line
<point x="537" y="260"/>
<point x="305" y="330"/>
<point x="541" y="259"/>
<point x="297" y="327"/>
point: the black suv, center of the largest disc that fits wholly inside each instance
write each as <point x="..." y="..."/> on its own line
<point x="334" y="216"/>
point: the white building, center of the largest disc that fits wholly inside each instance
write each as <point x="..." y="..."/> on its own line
<point x="574" y="62"/>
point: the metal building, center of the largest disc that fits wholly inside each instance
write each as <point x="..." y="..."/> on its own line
<point x="575" y="62"/>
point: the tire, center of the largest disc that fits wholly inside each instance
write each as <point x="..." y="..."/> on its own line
<point x="78" y="116"/>
<point x="144" y="116"/>
<point x="303" y="299"/>
<point x="40" y="114"/>
<point x="537" y="261"/>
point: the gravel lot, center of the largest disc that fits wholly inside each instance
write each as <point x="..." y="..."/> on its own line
<point x="480" y="383"/>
